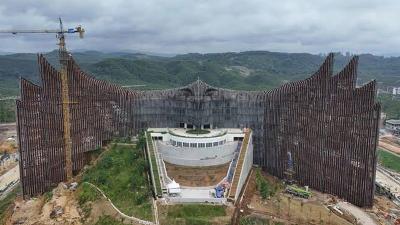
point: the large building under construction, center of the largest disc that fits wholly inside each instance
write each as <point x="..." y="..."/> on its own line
<point x="327" y="124"/>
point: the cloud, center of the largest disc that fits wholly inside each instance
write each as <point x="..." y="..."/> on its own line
<point x="181" y="26"/>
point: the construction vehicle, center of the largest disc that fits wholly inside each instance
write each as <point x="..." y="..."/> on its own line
<point x="64" y="57"/>
<point x="289" y="172"/>
<point x="298" y="191"/>
<point x="291" y="188"/>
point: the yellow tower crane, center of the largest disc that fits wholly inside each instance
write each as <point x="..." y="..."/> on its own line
<point x="64" y="58"/>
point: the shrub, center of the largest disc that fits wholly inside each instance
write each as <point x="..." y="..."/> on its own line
<point x="108" y="220"/>
<point x="87" y="194"/>
<point x="48" y="196"/>
<point x="106" y="163"/>
<point x="263" y="186"/>
<point x="193" y="214"/>
<point x="253" y="221"/>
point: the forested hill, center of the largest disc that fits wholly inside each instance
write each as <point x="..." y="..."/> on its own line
<point x="245" y="70"/>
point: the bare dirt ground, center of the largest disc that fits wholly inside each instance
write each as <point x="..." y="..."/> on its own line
<point x="197" y="176"/>
<point x="390" y="143"/>
<point x="8" y="147"/>
<point x="287" y="209"/>
<point x="384" y="210"/>
<point x="62" y="208"/>
<point x="101" y="207"/>
<point x="7" y="130"/>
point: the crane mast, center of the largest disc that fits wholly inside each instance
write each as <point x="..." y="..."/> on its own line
<point x="64" y="60"/>
<point x="63" y="57"/>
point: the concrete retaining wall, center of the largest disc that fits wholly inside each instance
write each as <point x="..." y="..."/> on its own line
<point x="247" y="164"/>
<point x="197" y="156"/>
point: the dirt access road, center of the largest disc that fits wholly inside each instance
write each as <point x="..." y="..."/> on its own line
<point x="362" y="217"/>
<point x="7" y="130"/>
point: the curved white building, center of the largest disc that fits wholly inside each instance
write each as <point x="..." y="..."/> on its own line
<point x="211" y="165"/>
<point x="180" y="147"/>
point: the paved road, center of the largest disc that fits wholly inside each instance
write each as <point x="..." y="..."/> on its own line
<point x="362" y="216"/>
<point x="10" y="189"/>
<point x="11" y="177"/>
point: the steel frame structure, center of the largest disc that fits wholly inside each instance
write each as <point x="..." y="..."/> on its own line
<point x="329" y="126"/>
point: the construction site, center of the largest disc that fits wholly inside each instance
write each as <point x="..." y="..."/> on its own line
<point x="303" y="153"/>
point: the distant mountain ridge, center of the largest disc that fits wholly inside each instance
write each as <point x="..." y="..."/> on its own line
<point x="250" y="70"/>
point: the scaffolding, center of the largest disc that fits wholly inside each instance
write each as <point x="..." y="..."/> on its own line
<point x="329" y="125"/>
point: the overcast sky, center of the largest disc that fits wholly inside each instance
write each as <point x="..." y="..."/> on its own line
<point x="182" y="26"/>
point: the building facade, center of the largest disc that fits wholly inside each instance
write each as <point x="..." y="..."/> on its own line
<point x="329" y="126"/>
<point x="393" y="126"/>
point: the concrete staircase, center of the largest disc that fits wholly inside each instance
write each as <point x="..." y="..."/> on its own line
<point x="239" y="166"/>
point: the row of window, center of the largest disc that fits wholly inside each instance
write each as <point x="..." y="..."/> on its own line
<point x="197" y="145"/>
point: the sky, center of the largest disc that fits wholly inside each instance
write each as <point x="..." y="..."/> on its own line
<point x="207" y="26"/>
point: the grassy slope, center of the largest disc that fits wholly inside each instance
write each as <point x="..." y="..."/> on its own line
<point x="192" y="214"/>
<point x="389" y="160"/>
<point x="121" y="174"/>
<point x="252" y="220"/>
<point x="7" y="202"/>
<point x="108" y="220"/>
<point x="7" y="111"/>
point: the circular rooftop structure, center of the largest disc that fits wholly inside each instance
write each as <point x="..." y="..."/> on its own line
<point x="197" y="133"/>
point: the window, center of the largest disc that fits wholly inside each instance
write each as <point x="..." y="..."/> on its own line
<point x="202" y="145"/>
<point x="206" y="126"/>
<point x="193" y="145"/>
<point x="209" y="145"/>
<point x="173" y="142"/>
<point x="182" y="125"/>
<point x="190" y="126"/>
<point x="185" y="144"/>
<point x="179" y="144"/>
<point x="215" y="144"/>
<point x="221" y="142"/>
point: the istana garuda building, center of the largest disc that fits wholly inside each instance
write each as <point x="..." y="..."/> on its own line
<point x="329" y="126"/>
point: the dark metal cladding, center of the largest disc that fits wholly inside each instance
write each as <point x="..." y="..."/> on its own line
<point x="329" y="126"/>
